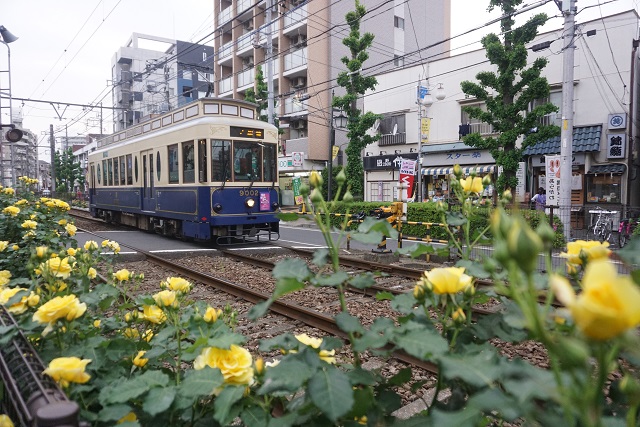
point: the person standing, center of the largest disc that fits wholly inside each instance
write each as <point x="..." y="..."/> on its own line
<point x="540" y="199"/>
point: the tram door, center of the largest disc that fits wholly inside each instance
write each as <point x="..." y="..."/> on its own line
<point x="148" y="199"/>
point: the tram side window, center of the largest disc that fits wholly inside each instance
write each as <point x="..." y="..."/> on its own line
<point x="98" y="174"/>
<point x="115" y="171"/>
<point x="129" y="175"/>
<point x="104" y="172"/>
<point x="123" y="180"/>
<point x="110" y="174"/>
<point x="202" y="160"/>
<point x="220" y="160"/>
<point x="174" y="174"/>
<point x="247" y="159"/>
<point x="188" y="162"/>
<point x="269" y="163"/>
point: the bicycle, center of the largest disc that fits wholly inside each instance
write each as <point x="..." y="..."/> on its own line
<point x="625" y="230"/>
<point x="603" y="226"/>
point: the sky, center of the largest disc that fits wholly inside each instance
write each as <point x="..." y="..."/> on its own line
<point x="65" y="48"/>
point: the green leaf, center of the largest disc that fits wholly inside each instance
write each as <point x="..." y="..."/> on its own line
<point x="330" y="390"/>
<point x="7" y="333"/>
<point x="473" y="269"/>
<point x="255" y="416"/>
<point x="468" y="417"/>
<point x="456" y="218"/>
<point x="333" y="279"/>
<point x="320" y="257"/>
<point x="100" y="292"/>
<point x="134" y="387"/>
<point x="224" y="412"/>
<point x="404" y="303"/>
<point x="259" y="309"/>
<point x="479" y="370"/>
<point x="368" y="238"/>
<point x="159" y="400"/>
<point x="200" y="382"/>
<point x="292" y="268"/>
<point x="362" y="281"/>
<point x="288" y="376"/>
<point x="630" y="254"/>
<point x="287" y="285"/>
<point x="384" y="296"/>
<point x="401" y="377"/>
<point x="113" y="412"/>
<point x="422" y="342"/>
<point x="414" y="251"/>
<point x="349" y="323"/>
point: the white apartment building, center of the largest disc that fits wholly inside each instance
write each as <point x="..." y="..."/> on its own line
<point x="605" y="146"/>
<point x="307" y="47"/>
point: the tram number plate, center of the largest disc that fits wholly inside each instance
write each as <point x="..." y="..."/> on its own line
<point x="249" y="192"/>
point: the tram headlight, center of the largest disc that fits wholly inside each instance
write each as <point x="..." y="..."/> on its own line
<point x="249" y="202"/>
<point x="217" y="208"/>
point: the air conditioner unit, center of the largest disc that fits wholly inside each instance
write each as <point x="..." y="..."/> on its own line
<point x="248" y="25"/>
<point x="299" y="124"/>
<point x="299" y="82"/>
<point x="299" y="40"/>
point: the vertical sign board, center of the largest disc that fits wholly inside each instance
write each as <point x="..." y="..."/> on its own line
<point x="297" y="158"/>
<point x="552" y="167"/>
<point x="521" y="181"/>
<point x="425" y="129"/>
<point x="407" y="172"/>
<point x="297" y="197"/>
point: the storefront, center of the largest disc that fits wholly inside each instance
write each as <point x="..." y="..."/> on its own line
<point x="381" y="175"/>
<point x="290" y="167"/>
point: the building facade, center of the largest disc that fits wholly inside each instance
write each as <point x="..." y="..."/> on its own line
<point x="18" y="158"/>
<point x="152" y="75"/>
<point x="605" y="146"/>
<point x="306" y="41"/>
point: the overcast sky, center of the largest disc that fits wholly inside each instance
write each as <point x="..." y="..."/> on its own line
<point x="65" y="47"/>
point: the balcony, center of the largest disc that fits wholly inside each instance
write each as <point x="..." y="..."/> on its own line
<point x="246" y="78"/>
<point x="297" y="145"/>
<point x="225" y="16"/>
<point x="244" y="5"/>
<point x="244" y="42"/>
<point x="275" y="28"/>
<point x="294" y="106"/>
<point x="225" y="51"/>
<point x="225" y="85"/>
<point x="295" y="17"/>
<point x="392" y="139"/>
<point x="481" y="128"/>
<point x="295" y="59"/>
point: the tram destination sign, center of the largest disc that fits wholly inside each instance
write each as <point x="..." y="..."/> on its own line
<point x="245" y="132"/>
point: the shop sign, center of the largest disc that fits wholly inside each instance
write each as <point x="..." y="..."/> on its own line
<point x="577" y="159"/>
<point x="475" y="157"/>
<point x="520" y="188"/>
<point x="297" y="197"/>
<point x="297" y="158"/>
<point x="553" y="180"/>
<point x="387" y="162"/>
<point x="407" y="172"/>
<point x="616" y="143"/>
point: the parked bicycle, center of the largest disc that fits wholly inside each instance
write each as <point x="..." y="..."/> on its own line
<point x="625" y="230"/>
<point x="601" y="229"/>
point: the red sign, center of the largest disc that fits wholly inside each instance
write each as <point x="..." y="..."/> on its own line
<point x="407" y="172"/>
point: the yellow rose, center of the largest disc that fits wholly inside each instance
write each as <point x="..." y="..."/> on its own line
<point x="608" y="304"/>
<point x="212" y="314"/>
<point x="147" y="335"/>
<point x="17" y="307"/>
<point x="15" y="247"/>
<point x="41" y="251"/>
<point x="90" y="245"/>
<point x="122" y="275"/>
<point x="3" y="245"/>
<point x="96" y="323"/>
<point x="68" y="370"/>
<point x="62" y="222"/>
<point x="585" y="250"/>
<point x="448" y="280"/>
<point x="9" y="191"/>
<point x="72" y="251"/>
<point x="166" y="298"/>
<point x="153" y="314"/>
<point x="5" y="421"/>
<point x="57" y="267"/>
<point x="71" y="229"/>
<point x="92" y="273"/>
<point x="130" y="417"/>
<point x="177" y="284"/>
<point x="11" y="210"/>
<point x="58" y="286"/>
<point x="68" y="306"/>
<point x="236" y="364"/>
<point x="139" y="361"/>
<point x="130" y="316"/>
<point x="131" y="333"/>
<point x="459" y="315"/>
<point x="29" y="224"/>
<point x="471" y="184"/>
<point x="326" y="355"/>
<point x="5" y="277"/>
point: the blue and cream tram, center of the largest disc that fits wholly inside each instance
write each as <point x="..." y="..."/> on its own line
<point x="205" y="171"/>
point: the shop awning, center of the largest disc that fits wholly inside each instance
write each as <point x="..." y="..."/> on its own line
<point x="465" y="170"/>
<point x="615" y="168"/>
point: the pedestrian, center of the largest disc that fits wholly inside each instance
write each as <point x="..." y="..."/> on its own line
<point x="540" y="199"/>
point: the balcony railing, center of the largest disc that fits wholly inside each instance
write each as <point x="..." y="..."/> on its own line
<point x="292" y="105"/>
<point x="393" y="139"/>
<point x="275" y="28"/>
<point x="481" y="128"/>
<point x="226" y="50"/>
<point x="225" y="16"/>
<point x="244" y="5"/>
<point x="225" y="85"/>
<point x="295" y="59"/>
<point x="246" y="77"/>
<point x="296" y="15"/>
<point x="245" y="41"/>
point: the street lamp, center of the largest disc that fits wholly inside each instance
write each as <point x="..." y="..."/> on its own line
<point x="13" y="135"/>
<point x="338" y="121"/>
<point x="425" y="100"/>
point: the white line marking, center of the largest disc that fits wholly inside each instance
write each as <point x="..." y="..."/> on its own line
<point x="301" y="243"/>
<point x="181" y="250"/>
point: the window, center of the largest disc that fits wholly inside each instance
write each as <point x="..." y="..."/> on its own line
<point x="398" y="60"/>
<point x="204" y="56"/>
<point x="104" y="172"/>
<point x="98" y="173"/>
<point x="202" y="160"/>
<point x="174" y="175"/>
<point x="220" y="160"/>
<point x="476" y="125"/>
<point x="115" y="171"/>
<point x="269" y="163"/>
<point x="158" y="165"/>
<point x="110" y="173"/>
<point x="129" y="175"/>
<point x="123" y="180"/>
<point x="393" y="124"/>
<point x="188" y="162"/>
<point x="136" y="169"/>
<point x="247" y="158"/>
<point x="186" y="91"/>
<point x="603" y="188"/>
<point x="553" y="118"/>
<point x="398" y="22"/>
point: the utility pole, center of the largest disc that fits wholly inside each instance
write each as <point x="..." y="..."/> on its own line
<point x="52" y="142"/>
<point x="568" y="8"/>
<point x="269" y="63"/>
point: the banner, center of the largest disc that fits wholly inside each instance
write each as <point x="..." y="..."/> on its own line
<point x="552" y="166"/>
<point x="407" y="172"/>
<point x="297" y="197"/>
<point x="334" y="151"/>
<point x="425" y="128"/>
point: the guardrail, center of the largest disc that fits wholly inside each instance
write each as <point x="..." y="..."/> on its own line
<point x="29" y="397"/>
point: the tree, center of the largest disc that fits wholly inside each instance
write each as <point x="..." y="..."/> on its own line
<point x="508" y="94"/>
<point x="356" y="85"/>
<point x="68" y="172"/>
<point x="260" y="96"/>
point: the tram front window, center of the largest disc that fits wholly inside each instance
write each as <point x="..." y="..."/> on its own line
<point x="247" y="161"/>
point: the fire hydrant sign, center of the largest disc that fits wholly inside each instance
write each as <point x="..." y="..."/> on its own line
<point x="552" y="166"/>
<point x="407" y="172"/>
